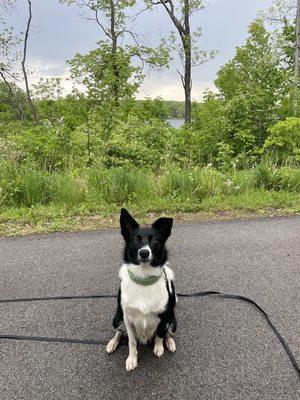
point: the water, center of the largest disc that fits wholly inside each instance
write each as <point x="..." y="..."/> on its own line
<point x="175" y="123"/>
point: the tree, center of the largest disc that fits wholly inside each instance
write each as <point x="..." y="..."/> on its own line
<point x="180" y="13"/>
<point x="111" y="16"/>
<point x="253" y="86"/>
<point x="8" y="59"/>
<point x="285" y="14"/>
<point x="23" y="62"/>
<point x="96" y="71"/>
<point x="211" y="129"/>
<point x="297" y="56"/>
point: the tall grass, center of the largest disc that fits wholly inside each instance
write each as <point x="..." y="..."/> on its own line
<point x="119" y="186"/>
<point x="269" y="177"/>
<point x="191" y="184"/>
<point x="172" y="189"/>
<point x="67" y="190"/>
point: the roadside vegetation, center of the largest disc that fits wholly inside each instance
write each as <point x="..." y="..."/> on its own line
<point x="88" y="154"/>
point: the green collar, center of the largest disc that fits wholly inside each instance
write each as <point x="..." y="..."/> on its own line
<point x="149" y="280"/>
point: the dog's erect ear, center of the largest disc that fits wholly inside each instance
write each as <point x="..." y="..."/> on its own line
<point x="128" y="223"/>
<point x="164" y="226"/>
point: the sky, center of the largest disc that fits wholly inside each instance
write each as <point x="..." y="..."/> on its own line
<point x="58" y="33"/>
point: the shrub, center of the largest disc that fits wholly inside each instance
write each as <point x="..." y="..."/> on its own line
<point x="46" y="147"/>
<point x="283" y="141"/>
<point x="139" y="144"/>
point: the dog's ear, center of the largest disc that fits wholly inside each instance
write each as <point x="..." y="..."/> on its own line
<point x="164" y="226"/>
<point x="128" y="224"/>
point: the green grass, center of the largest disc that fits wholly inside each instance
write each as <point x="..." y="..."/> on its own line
<point x="57" y="201"/>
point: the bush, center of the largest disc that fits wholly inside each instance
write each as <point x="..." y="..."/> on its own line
<point x="283" y="141"/>
<point x="45" y="147"/>
<point x="139" y="144"/>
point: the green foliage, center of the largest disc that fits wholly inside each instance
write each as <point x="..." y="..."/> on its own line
<point x="120" y="186"/>
<point x="252" y="85"/>
<point x="103" y="149"/>
<point x="192" y="185"/>
<point x="156" y="108"/>
<point x="101" y="71"/>
<point x="67" y="189"/>
<point x="176" y="189"/>
<point x="283" y="140"/>
<point x="211" y="128"/>
<point x="139" y="143"/>
<point x="267" y="176"/>
<point x="42" y="146"/>
<point x="13" y="103"/>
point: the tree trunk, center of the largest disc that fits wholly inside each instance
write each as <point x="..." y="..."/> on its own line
<point x="296" y="67"/>
<point x="188" y="63"/>
<point x="114" y="38"/>
<point x="33" y="110"/>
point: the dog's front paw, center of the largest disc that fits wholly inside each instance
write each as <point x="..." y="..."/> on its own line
<point x="158" y="349"/>
<point x="131" y="363"/>
<point x="170" y="343"/>
<point x="111" y="346"/>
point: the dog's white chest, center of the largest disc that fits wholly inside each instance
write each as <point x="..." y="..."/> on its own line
<point x="142" y="304"/>
<point x="145" y="325"/>
<point x="147" y="299"/>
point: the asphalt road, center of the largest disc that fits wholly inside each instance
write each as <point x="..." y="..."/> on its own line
<point x="225" y="349"/>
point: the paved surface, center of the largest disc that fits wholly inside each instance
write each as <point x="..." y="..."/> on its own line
<point x="225" y="348"/>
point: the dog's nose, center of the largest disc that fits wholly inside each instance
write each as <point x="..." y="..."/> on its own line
<point x="144" y="253"/>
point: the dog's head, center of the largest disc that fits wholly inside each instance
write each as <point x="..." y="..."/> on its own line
<point x="145" y="245"/>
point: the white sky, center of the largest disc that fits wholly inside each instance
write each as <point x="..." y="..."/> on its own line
<point x="58" y="33"/>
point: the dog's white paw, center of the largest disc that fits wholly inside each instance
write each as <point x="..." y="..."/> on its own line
<point x="170" y="343"/>
<point x="158" y="349"/>
<point x="111" y="346"/>
<point x="131" y="363"/>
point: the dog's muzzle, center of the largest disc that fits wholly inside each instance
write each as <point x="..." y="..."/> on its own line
<point x="144" y="255"/>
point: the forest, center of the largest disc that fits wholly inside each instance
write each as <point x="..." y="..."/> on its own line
<point x="90" y="152"/>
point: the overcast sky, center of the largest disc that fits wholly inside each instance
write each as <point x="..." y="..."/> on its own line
<point x="58" y="33"/>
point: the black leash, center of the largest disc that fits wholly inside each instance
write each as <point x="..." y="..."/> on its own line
<point x="105" y="296"/>
<point x="50" y="298"/>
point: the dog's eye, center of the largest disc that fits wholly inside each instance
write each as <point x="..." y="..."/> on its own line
<point x="139" y="238"/>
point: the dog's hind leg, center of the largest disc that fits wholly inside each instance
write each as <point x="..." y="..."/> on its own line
<point x="113" y="343"/>
<point x="158" y="346"/>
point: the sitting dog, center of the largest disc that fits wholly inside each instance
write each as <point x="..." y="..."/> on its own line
<point x="146" y="297"/>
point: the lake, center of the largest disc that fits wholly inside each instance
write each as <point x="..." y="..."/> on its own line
<point x="175" y="123"/>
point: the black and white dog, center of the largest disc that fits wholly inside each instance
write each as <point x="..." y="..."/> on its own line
<point x="146" y="297"/>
